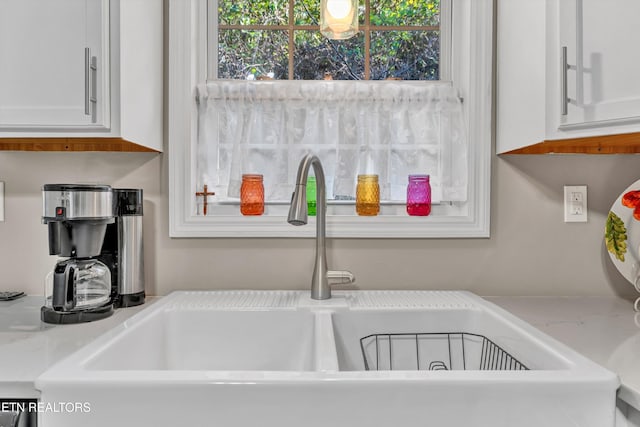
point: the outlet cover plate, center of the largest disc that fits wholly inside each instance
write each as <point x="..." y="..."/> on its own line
<point x="575" y="203"/>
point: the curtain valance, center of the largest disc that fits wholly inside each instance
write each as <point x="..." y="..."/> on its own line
<point x="388" y="128"/>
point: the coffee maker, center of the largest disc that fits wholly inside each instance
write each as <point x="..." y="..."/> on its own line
<point x="98" y="232"/>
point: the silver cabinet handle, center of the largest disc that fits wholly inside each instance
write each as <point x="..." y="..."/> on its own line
<point x="94" y="88"/>
<point x="87" y="80"/>
<point x="90" y="84"/>
<point x="564" y="105"/>
<point x="564" y="88"/>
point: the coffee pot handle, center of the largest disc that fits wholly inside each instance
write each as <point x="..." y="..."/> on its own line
<point x="64" y="293"/>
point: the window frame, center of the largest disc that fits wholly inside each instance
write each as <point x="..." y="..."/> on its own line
<point x="367" y="28"/>
<point x="187" y="66"/>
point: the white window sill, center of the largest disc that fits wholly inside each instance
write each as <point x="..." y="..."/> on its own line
<point x="337" y="226"/>
<point x="224" y="220"/>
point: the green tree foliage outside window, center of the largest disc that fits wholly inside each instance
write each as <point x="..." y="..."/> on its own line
<point x="276" y="39"/>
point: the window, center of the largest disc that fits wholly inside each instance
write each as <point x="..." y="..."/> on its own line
<point x="398" y="39"/>
<point x="469" y="66"/>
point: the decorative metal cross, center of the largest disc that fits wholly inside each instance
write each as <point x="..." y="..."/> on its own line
<point x="204" y="193"/>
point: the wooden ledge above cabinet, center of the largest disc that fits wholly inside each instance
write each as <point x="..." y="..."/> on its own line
<point x="72" y="144"/>
<point x="626" y="143"/>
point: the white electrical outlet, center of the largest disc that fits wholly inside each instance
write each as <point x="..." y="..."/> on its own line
<point x="575" y="203"/>
<point x="1" y="201"/>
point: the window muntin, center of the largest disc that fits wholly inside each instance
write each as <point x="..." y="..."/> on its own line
<point x="397" y="39"/>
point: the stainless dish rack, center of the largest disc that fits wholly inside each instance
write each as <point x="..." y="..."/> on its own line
<point x="434" y="352"/>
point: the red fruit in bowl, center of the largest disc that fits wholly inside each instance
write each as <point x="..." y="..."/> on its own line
<point x="636" y="213"/>
<point x="631" y="200"/>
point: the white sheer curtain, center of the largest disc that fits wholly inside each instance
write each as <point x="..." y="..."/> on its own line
<point x="387" y="128"/>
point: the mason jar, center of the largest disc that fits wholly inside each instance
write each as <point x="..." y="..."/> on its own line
<point x="252" y="195"/>
<point x="311" y="196"/>
<point x="419" y="195"/>
<point x="368" y="195"/>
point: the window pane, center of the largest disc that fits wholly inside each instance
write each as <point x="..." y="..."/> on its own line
<point x="408" y="55"/>
<point x="306" y="12"/>
<point x="315" y="55"/>
<point x="262" y="12"/>
<point x="251" y="54"/>
<point x="405" y="12"/>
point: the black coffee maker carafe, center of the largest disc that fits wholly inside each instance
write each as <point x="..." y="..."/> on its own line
<point x="98" y="232"/>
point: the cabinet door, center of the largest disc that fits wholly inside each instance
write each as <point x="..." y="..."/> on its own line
<point x="603" y="64"/>
<point x="53" y="64"/>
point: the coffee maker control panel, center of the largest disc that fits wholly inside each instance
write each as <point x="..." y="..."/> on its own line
<point x="76" y="202"/>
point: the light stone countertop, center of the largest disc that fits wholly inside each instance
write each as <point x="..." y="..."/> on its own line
<point x="604" y="329"/>
<point x="28" y="346"/>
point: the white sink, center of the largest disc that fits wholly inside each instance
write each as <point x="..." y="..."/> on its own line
<point x="241" y="358"/>
<point x="446" y="339"/>
<point x="211" y="340"/>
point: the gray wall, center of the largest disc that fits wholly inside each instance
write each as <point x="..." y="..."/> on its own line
<point x="531" y="250"/>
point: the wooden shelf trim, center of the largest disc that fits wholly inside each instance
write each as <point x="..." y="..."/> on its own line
<point x="71" y="144"/>
<point x="626" y="143"/>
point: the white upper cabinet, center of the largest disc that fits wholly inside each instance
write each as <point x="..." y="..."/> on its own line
<point x="566" y="69"/>
<point x="602" y="67"/>
<point x="82" y="68"/>
<point x="54" y="54"/>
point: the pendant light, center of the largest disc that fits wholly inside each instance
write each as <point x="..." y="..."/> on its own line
<point x="338" y="18"/>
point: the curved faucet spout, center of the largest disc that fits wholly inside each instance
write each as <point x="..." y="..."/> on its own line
<point x="298" y="212"/>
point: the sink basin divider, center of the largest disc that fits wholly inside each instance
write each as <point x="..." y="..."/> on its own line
<point x="326" y="354"/>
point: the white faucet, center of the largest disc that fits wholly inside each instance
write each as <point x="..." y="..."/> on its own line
<point x="322" y="277"/>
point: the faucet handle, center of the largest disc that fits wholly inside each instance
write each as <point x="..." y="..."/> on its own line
<point x="338" y="277"/>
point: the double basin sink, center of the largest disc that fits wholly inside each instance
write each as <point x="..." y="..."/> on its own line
<point x="370" y="358"/>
